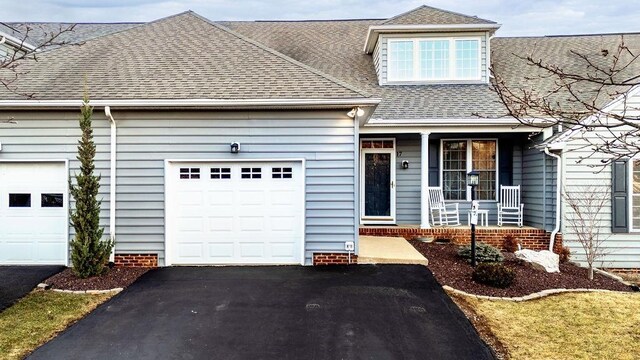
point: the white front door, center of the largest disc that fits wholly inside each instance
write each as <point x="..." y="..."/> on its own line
<point x="235" y="212"/>
<point x="377" y="181"/>
<point x="33" y="213"/>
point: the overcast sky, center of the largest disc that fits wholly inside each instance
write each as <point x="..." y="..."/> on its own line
<point x="518" y="17"/>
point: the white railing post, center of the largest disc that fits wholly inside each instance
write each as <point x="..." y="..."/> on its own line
<point x="424" y="181"/>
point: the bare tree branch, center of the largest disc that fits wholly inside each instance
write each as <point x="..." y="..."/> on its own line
<point x="576" y="97"/>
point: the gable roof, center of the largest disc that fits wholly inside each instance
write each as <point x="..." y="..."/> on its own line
<point x="180" y="57"/>
<point x="429" y="15"/>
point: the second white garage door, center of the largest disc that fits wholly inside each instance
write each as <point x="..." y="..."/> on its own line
<point x="235" y="213"/>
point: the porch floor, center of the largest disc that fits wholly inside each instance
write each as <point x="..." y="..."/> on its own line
<point x="388" y="250"/>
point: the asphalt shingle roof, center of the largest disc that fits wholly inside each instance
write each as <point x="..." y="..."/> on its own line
<point x="335" y="47"/>
<point x="181" y="57"/>
<point x="433" y="16"/>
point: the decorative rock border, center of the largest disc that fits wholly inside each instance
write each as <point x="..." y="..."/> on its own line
<point x="536" y="295"/>
<point x="44" y="286"/>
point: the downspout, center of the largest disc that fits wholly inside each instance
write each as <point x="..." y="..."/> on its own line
<point x="112" y="184"/>
<point x="558" y="194"/>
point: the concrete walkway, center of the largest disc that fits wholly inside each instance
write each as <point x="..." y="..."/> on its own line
<point x="388" y="250"/>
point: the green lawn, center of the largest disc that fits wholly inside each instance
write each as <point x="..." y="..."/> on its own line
<point x="38" y="317"/>
<point x="567" y="326"/>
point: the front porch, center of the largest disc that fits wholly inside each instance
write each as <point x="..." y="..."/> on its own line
<point x="529" y="236"/>
<point x="397" y="168"/>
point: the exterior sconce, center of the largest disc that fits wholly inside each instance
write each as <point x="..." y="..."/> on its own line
<point x="405" y="164"/>
<point x="235" y="147"/>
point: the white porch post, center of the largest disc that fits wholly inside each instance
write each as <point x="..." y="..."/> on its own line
<point x="424" y="181"/>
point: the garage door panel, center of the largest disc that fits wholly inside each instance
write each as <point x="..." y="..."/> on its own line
<point x="37" y="232"/>
<point x="251" y="216"/>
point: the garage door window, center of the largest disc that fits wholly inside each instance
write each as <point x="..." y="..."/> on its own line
<point x="251" y="173"/>
<point x="221" y="173"/>
<point x="189" y="173"/>
<point x="51" y="200"/>
<point x="19" y="200"/>
<point x="281" y="173"/>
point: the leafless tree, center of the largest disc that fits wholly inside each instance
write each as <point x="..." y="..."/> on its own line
<point x="24" y="49"/>
<point x="575" y="95"/>
<point x="587" y="204"/>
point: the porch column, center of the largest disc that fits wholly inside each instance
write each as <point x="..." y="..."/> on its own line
<point x="424" y="181"/>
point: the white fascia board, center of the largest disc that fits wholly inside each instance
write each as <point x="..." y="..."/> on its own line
<point x="569" y="133"/>
<point x="15" y="42"/>
<point x="488" y="129"/>
<point x="376" y="30"/>
<point x="195" y="103"/>
<point x="454" y="122"/>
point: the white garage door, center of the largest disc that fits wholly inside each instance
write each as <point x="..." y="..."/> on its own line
<point x="33" y="213"/>
<point x="235" y="213"/>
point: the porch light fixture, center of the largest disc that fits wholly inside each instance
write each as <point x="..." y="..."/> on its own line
<point x="235" y="147"/>
<point x="473" y="179"/>
<point x="405" y="164"/>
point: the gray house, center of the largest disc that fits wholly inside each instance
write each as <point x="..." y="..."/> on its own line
<point x="274" y="142"/>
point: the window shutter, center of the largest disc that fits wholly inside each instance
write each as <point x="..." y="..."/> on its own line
<point x="619" y="197"/>
<point x="434" y="162"/>
<point x="505" y="159"/>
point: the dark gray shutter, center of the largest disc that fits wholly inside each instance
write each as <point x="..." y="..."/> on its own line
<point x="505" y="159"/>
<point x="434" y="162"/>
<point x="619" y="196"/>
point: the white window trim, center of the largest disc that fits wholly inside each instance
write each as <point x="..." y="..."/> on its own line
<point x="470" y="165"/>
<point x="630" y="195"/>
<point x="416" y="59"/>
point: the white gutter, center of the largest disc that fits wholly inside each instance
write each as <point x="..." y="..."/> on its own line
<point x="13" y="41"/>
<point x="112" y="183"/>
<point x="172" y="103"/>
<point x="558" y="193"/>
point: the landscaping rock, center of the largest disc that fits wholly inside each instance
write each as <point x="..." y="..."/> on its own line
<point x="543" y="260"/>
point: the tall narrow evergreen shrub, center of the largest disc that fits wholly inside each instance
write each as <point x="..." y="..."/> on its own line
<point x="89" y="252"/>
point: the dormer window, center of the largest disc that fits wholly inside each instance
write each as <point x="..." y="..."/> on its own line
<point x="434" y="59"/>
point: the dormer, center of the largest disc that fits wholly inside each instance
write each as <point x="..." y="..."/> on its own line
<point x="11" y="42"/>
<point x="431" y="46"/>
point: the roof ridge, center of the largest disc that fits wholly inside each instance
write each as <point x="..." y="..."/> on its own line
<point x="281" y="55"/>
<point x="139" y="25"/>
<point x="424" y="6"/>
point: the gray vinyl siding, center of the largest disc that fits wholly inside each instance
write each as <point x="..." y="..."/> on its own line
<point x="382" y="48"/>
<point x="376" y="61"/>
<point x="622" y="250"/>
<point x="539" y="188"/>
<point x="325" y="139"/>
<point x="408" y="180"/>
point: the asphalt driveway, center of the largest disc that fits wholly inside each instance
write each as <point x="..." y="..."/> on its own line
<point x="18" y="281"/>
<point x="351" y="312"/>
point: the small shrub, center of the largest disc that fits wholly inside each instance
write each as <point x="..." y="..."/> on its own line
<point x="484" y="253"/>
<point x="493" y="274"/>
<point x="510" y="243"/>
<point x="565" y="254"/>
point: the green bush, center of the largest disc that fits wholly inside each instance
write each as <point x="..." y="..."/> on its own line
<point x="493" y="274"/>
<point x="484" y="253"/>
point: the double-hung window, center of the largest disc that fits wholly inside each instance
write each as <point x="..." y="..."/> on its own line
<point x="433" y="59"/>
<point x="635" y="195"/>
<point x="461" y="156"/>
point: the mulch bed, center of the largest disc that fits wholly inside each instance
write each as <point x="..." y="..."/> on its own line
<point x="117" y="277"/>
<point x="450" y="269"/>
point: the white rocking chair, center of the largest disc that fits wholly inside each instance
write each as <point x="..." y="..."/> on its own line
<point x="510" y="210"/>
<point x="448" y="214"/>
